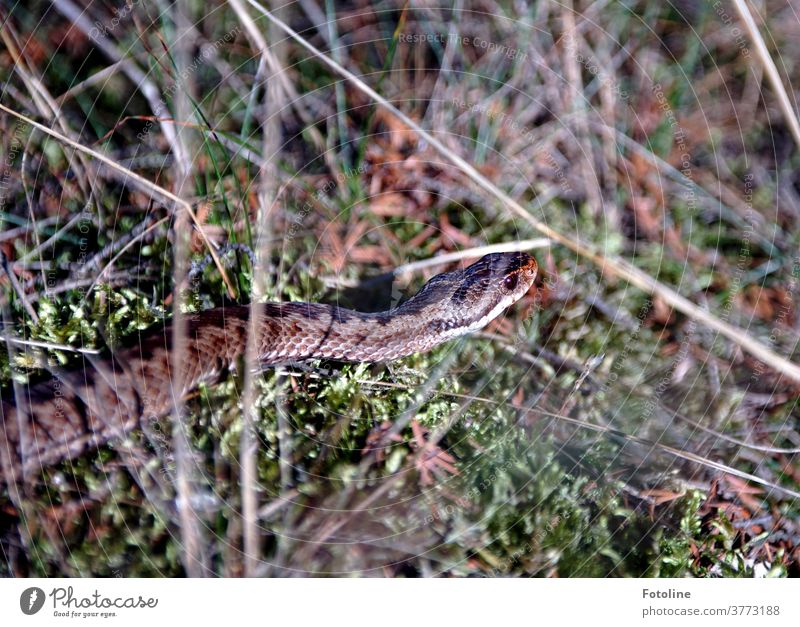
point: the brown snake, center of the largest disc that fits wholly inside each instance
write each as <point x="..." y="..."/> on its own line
<point x="61" y="418"/>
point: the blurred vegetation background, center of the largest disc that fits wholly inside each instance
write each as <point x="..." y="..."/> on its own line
<point x="647" y="129"/>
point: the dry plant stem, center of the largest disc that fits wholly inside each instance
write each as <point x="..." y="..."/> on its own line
<point x="607" y="263"/>
<point x="270" y="71"/>
<point x="151" y="187"/>
<point x="49" y="345"/>
<point x="112" y="279"/>
<point x="685" y="455"/>
<point x="769" y="66"/>
<point x="26" y="228"/>
<point x="187" y="484"/>
<point x="681" y="454"/>
<point x="41" y="100"/>
<point x="36" y="252"/>
<point x="45" y="103"/>
<point x="338" y="520"/>
<point x="469" y="253"/>
<point x="278" y="503"/>
<point x="12" y="278"/>
<point x="441" y="260"/>
<point x="583" y="149"/>
<point x="434" y="111"/>
<point x="98" y="78"/>
<point x="77" y="16"/>
<point x="113" y="247"/>
<point x="275" y="101"/>
<point x="190" y="486"/>
<point x="631" y="388"/>
<point x="19" y="498"/>
<point x="277" y="71"/>
<point x="719" y="199"/>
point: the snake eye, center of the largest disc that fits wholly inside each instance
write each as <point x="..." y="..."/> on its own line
<point x="510" y="282"/>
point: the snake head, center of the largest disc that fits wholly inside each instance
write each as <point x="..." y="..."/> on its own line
<point x="489" y="286"/>
<point x="515" y="272"/>
<point x="499" y="278"/>
<point x="455" y="303"/>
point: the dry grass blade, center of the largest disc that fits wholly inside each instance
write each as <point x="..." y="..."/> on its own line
<point x="49" y="345"/>
<point x="607" y="263"/>
<point x="149" y="185"/>
<point x="769" y="65"/>
<point x="469" y="253"/>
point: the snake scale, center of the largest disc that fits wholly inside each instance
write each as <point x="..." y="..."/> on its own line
<point x="63" y="417"/>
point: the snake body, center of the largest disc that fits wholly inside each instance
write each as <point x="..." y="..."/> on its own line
<point x="63" y="417"/>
